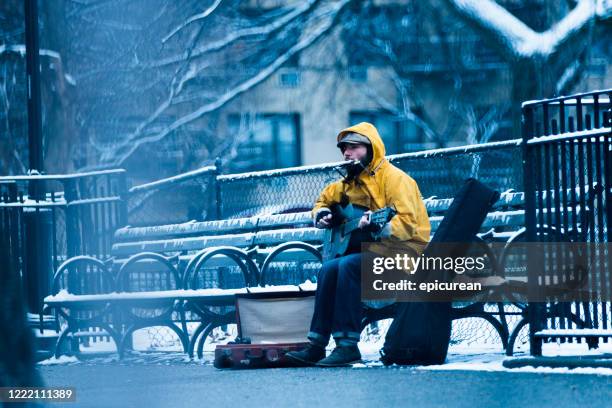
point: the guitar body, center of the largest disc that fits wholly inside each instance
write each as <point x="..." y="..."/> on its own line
<point x="344" y="237"/>
<point x="334" y="244"/>
<point x="337" y="244"/>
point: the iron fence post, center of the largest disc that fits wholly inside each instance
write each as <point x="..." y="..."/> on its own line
<point x="13" y="223"/>
<point x="123" y="203"/>
<point x="217" y="189"/>
<point x="534" y="308"/>
<point x="73" y="239"/>
<point x="38" y="262"/>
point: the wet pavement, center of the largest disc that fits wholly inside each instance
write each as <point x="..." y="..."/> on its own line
<point x="170" y="380"/>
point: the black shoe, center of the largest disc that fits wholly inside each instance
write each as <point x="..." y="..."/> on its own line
<point x="307" y="356"/>
<point x="342" y="356"/>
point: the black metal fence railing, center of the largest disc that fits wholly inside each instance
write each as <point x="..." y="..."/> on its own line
<point x="567" y="148"/>
<point x="68" y="215"/>
<point x="438" y="172"/>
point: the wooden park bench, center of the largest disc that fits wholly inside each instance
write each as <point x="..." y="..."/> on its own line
<point x="173" y="257"/>
<point x="154" y="264"/>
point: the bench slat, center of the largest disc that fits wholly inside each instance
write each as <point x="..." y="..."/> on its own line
<point x="433" y="205"/>
<point x="185" y="229"/>
<point x="213" y="227"/>
<point x="183" y="244"/>
<point x="509" y="199"/>
<point x="513" y="219"/>
<point x="496" y="219"/>
<point x="275" y="237"/>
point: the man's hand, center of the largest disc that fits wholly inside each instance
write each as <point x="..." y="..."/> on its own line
<point x="323" y="218"/>
<point x="365" y="220"/>
<point x="325" y="221"/>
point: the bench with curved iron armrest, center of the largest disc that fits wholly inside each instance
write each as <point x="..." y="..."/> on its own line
<point x="173" y="257"/>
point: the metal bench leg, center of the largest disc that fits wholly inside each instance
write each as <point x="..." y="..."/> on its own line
<point x="183" y="315"/>
<point x="126" y="339"/>
<point x="501" y="329"/>
<point x="209" y="328"/>
<point x="194" y="338"/>
<point x="510" y="348"/>
<point x="504" y="321"/>
<point x="477" y="310"/>
<point x="60" y="340"/>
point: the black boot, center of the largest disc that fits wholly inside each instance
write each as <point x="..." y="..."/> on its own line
<point x="307" y="356"/>
<point x="342" y="356"/>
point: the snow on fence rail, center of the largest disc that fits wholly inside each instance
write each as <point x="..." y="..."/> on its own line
<point x="439" y="172"/>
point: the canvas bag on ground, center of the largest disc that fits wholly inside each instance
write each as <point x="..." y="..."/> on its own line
<point x="420" y="331"/>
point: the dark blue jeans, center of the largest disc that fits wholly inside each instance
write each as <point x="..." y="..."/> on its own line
<point x="338" y="302"/>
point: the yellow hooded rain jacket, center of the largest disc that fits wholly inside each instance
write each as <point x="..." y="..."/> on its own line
<point x="381" y="185"/>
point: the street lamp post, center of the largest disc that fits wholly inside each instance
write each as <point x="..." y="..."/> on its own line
<point x="33" y="83"/>
<point x="37" y="264"/>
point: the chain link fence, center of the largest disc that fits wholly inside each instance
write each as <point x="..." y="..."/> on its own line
<point x="186" y="197"/>
<point x="468" y="332"/>
<point x="438" y="173"/>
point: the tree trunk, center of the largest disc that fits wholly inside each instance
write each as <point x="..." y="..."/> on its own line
<point x="529" y="82"/>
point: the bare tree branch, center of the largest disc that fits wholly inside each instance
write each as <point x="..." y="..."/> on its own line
<point x="514" y="36"/>
<point x="234" y="36"/>
<point x="570" y="76"/>
<point x="196" y="17"/>
<point x="174" y="89"/>
<point x="324" y="21"/>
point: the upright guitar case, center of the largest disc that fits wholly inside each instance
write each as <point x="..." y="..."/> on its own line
<point x="420" y="332"/>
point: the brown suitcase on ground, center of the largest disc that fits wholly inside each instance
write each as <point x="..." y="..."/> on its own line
<point x="270" y="324"/>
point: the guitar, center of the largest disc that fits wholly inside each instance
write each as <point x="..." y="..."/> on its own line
<point x="345" y="235"/>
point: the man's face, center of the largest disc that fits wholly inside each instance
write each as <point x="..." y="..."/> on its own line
<point x="352" y="151"/>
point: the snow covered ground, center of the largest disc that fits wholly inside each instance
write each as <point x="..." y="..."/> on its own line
<point x="157" y="346"/>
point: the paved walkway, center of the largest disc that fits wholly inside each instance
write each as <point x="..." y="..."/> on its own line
<point x="158" y="381"/>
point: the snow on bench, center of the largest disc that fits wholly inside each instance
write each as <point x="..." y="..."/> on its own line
<point x="574" y="333"/>
<point x="121" y="326"/>
<point x="259" y="236"/>
<point x="213" y="295"/>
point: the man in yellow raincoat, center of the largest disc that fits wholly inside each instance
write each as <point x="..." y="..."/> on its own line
<point x="371" y="183"/>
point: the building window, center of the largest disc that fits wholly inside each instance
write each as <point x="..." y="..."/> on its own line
<point x="399" y="135"/>
<point x="266" y="141"/>
<point x="358" y="74"/>
<point x="289" y="79"/>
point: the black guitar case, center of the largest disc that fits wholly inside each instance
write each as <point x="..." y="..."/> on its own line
<point x="420" y="332"/>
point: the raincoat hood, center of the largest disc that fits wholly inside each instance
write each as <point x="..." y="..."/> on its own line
<point x="378" y="147"/>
